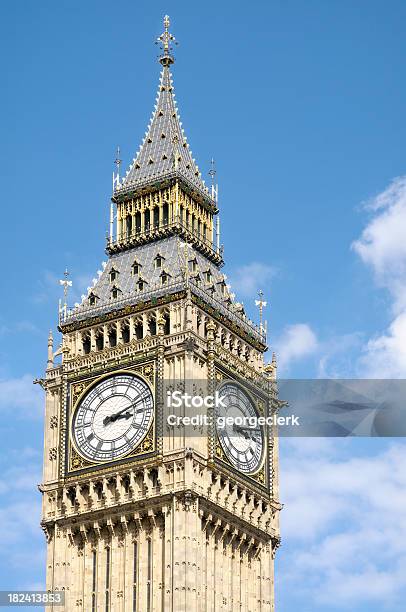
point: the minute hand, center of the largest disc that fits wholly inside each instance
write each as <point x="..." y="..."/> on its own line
<point x="113" y="417"/>
<point x="251" y="431"/>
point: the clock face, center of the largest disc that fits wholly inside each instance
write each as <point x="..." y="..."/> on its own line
<point x="242" y="444"/>
<point x="113" y="417"/>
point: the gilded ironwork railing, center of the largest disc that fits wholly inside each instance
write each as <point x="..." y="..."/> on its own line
<point x="70" y="315"/>
<point x="127" y="240"/>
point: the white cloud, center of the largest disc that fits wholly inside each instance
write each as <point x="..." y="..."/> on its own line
<point x="249" y="279"/>
<point x="21" y="396"/>
<point x="382" y="246"/>
<point x="385" y="356"/>
<point x="336" y="355"/>
<point x="20" y="478"/>
<point x="295" y="342"/>
<point x="22" y="541"/>
<point x="47" y="288"/>
<point x="18" y="521"/>
<point x="345" y="522"/>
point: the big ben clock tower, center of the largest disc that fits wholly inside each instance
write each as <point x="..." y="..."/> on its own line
<point x="141" y="512"/>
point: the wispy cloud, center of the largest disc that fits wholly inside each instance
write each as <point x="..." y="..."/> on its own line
<point x="22" y="541"/>
<point x="345" y="519"/>
<point x="336" y="355"/>
<point x="17" y="519"/>
<point x="382" y="246"/>
<point x="296" y="342"/>
<point x="21" y="397"/>
<point x="47" y="288"/>
<point x="247" y="280"/>
<point x="20" y="478"/>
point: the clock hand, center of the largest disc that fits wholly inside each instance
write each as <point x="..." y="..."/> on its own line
<point x="124" y="415"/>
<point x="246" y="431"/>
<point x="113" y="417"/>
<point x="239" y="429"/>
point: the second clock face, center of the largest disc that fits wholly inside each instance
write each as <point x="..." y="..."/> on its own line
<point x="242" y="443"/>
<point x="113" y="417"/>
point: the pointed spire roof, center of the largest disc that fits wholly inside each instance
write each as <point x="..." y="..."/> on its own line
<point x="164" y="153"/>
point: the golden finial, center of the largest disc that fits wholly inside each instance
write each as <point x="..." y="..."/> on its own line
<point x="165" y="41"/>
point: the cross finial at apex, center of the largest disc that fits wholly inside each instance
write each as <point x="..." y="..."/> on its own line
<point x="261" y="304"/>
<point x="165" y="41"/>
<point x="116" y="175"/>
<point x="65" y="283"/>
<point x="212" y="171"/>
<point x="118" y="161"/>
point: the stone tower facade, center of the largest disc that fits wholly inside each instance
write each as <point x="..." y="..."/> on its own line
<point x="140" y="514"/>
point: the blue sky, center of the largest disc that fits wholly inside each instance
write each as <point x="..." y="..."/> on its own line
<point x="302" y="106"/>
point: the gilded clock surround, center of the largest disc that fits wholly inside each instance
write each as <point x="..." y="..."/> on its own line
<point x="261" y="403"/>
<point x="78" y="390"/>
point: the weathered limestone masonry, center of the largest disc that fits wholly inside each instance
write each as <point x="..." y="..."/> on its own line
<point x="172" y="524"/>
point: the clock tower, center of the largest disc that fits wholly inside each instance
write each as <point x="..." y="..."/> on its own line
<point x="144" y="511"/>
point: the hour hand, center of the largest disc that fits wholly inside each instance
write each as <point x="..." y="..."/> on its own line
<point x="114" y="417"/>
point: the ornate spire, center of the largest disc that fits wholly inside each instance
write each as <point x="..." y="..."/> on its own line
<point x="164" y="153"/>
<point x="165" y="41"/>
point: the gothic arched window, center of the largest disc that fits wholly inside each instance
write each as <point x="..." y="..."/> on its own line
<point x="152" y="326"/>
<point x="165" y="213"/>
<point x="138" y="222"/>
<point x="112" y="336"/>
<point x="146" y="220"/>
<point x="125" y="333"/>
<point x="139" y="331"/>
<point x="129" y="225"/>
<point x="99" y="341"/>
<point x="86" y="345"/>
<point x="156" y="216"/>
